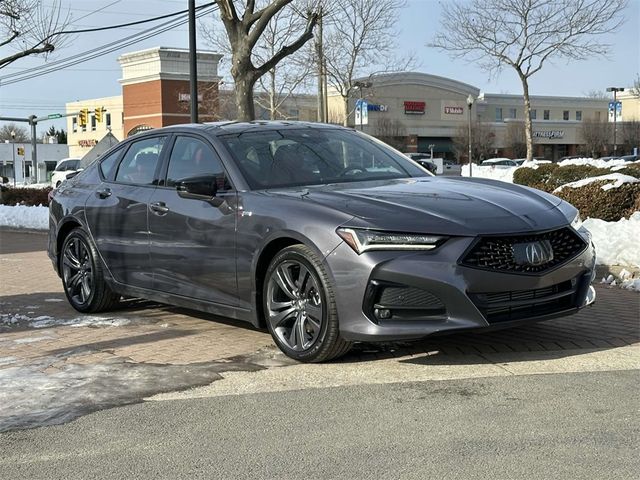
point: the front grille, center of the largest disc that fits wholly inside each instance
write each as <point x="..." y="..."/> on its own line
<point x="522" y="304"/>
<point x="496" y="253"/>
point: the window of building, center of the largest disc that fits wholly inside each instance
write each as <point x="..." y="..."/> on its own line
<point x="565" y="114"/>
<point x="294" y="114"/>
<point x="74" y="124"/>
<point x="534" y="114"/>
<point x="546" y="114"/>
<point x="93" y="123"/>
<point x="512" y="113"/>
<point x="579" y="115"/>
<point x="108" y="120"/>
<point x="498" y="114"/>
<point x="598" y="116"/>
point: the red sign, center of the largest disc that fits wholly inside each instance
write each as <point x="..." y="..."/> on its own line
<point x="453" y="110"/>
<point x="88" y="143"/>
<point x="414" y="108"/>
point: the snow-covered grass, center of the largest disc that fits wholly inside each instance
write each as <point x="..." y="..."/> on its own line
<point x="616" y="180"/>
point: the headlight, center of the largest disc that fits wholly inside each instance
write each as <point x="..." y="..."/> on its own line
<point x="577" y="222"/>
<point x="363" y="240"/>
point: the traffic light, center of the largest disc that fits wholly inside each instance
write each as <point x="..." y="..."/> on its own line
<point x="99" y="111"/>
<point x="21" y="151"/>
<point x="83" y="116"/>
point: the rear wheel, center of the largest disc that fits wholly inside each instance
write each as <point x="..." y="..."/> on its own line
<point x="82" y="275"/>
<point x="299" y="307"/>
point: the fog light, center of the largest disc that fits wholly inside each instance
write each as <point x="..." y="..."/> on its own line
<point x="382" y="313"/>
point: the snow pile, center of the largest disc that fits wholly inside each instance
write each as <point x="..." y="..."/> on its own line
<point x="20" y="216"/>
<point x="626" y="281"/>
<point x="618" y="180"/>
<point x="596" y="162"/>
<point x="617" y="243"/>
<point x="504" y="174"/>
<point x="29" y="185"/>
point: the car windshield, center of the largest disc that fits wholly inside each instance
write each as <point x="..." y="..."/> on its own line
<point x="314" y="157"/>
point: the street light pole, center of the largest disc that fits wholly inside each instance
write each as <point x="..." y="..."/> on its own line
<point x="470" y="104"/>
<point x="13" y="155"/>
<point x="615" y="90"/>
<point x="193" y="62"/>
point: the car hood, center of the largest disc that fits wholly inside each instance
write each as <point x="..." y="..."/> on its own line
<point x="440" y="205"/>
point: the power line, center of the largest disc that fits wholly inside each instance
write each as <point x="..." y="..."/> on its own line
<point x="100" y="51"/>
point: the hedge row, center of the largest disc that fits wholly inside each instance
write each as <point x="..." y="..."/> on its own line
<point x="591" y="199"/>
<point x="24" y="196"/>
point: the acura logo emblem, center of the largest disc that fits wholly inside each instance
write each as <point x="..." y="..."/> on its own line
<point x="533" y="253"/>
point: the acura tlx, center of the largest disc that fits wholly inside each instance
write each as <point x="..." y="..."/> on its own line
<point x="321" y="234"/>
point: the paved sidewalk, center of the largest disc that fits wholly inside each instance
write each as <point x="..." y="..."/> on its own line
<point x="145" y="332"/>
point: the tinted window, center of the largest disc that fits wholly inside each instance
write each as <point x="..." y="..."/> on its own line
<point x="109" y="163"/>
<point x="139" y="163"/>
<point x="192" y="157"/>
<point x="312" y="157"/>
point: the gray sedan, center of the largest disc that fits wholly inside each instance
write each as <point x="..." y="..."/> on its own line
<point x="319" y="233"/>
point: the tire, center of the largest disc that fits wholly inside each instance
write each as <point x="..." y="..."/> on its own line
<point x="299" y="307"/>
<point x="83" y="275"/>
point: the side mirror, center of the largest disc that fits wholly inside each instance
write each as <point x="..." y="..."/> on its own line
<point x="200" y="188"/>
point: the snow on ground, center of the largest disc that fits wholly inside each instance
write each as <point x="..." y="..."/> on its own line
<point x="617" y="243"/>
<point x="617" y="180"/>
<point x="44" y="321"/>
<point x="504" y="174"/>
<point x="596" y="162"/>
<point x="20" y="216"/>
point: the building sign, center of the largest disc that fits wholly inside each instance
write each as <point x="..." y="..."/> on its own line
<point x="372" y="107"/>
<point x="617" y="106"/>
<point x="549" y="134"/>
<point x="414" y="108"/>
<point x="453" y="110"/>
<point x="186" y="97"/>
<point x="92" y="142"/>
<point x="362" y="112"/>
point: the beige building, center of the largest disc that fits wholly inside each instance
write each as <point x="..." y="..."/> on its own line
<point x="429" y="110"/>
<point x="630" y="100"/>
<point x="82" y="139"/>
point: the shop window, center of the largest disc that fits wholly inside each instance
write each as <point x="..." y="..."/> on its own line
<point x="512" y="113"/>
<point x="579" y="115"/>
<point x="546" y="115"/>
<point x="565" y="115"/>
<point x="534" y="114"/>
<point x="498" y="114"/>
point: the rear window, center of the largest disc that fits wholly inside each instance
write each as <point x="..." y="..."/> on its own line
<point x="68" y="165"/>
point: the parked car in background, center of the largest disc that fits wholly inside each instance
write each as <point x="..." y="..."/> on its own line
<point x="499" y="162"/>
<point x="64" y="168"/>
<point x="424" y="160"/>
<point x="321" y="234"/>
<point x="629" y="158"/>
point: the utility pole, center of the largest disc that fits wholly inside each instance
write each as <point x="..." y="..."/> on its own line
<point x="193" y="59"/>
<point x="320" y="55"/>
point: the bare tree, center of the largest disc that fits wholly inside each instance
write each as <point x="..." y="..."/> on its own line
<point x="283" y="79"/>
<point x="596" y="135"/>
<point x="524" y="34"/>
<point x="482" y="141"/>
<point x="391" y="132"/>
<point x="244" y="30"/>
<point x="597" y="94"/>
<point x="516" y="139"/>
<point x="630" y="135"/>
<point x="635" y="89"/>
<point x="360" y="40"/>
<point x="21" y="133"/>
<point x="29" y="27"/>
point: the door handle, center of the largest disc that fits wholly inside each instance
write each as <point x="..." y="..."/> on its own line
<point x="104" y="193"/>
<point x="159" y="208"/>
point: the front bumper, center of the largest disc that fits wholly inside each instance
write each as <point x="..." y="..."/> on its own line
<point x="454" y="297"/>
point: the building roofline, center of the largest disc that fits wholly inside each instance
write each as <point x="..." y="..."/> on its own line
<point x="421" y="78"/>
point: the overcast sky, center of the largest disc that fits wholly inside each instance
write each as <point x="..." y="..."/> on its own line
<point x="418" y="22"/>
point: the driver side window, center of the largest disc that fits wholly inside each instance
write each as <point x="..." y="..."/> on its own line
<point x="191" y="157"/>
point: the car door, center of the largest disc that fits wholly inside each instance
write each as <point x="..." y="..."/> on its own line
<point x="193" y="240"/>
<point x="117" y="213"/>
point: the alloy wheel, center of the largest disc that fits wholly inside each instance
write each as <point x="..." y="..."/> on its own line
<point x="294" y="304"/>
<point x="77" y="271"/>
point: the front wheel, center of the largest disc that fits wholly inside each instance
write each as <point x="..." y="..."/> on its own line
<point x="299" y="307"/>
<point x="82" y="275"/>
